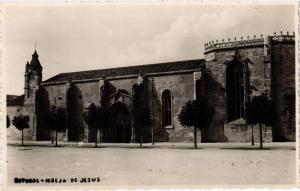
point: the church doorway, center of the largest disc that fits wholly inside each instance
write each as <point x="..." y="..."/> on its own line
<point x="119" y="124"/>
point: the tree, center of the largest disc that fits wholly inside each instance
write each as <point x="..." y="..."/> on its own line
<point x="57" y="120"/>
<point x="101" y="119"/>
<point x="7" y="121"/>
<point x="141" y="114"/>
<point x="49" y="121"/>
<point x="136" y="117"/>
<point x="252" y="135"/>
<point x="95" y="118"/>
<point x="259" y="111"/>
<point x="21" y="122"/>
<point x="198" y="114"/>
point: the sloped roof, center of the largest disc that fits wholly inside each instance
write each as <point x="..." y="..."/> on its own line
<point x="130" y="70"/>
<point x="14" y="100"/>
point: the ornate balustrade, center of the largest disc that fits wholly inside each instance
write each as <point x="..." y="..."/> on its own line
<point x="254" y="41"/>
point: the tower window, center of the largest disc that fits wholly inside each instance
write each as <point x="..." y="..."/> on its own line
<point x="60" y="98"/>
<point x="166" y="108"/>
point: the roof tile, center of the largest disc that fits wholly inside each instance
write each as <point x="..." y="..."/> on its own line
<point x="130" y="70"/>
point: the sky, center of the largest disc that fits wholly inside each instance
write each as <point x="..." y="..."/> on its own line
<point x="85" y="37"/>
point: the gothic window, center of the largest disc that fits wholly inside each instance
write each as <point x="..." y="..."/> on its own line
<point x="237" y="88"/>
<point x="166" y="108"/>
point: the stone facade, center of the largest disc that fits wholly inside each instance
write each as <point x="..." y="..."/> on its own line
<point x="264" y="65"/>
<point x="283" y="88"/>
<point x="270" y="63"/>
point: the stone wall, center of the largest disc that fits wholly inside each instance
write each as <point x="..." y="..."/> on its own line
<point x="181" y="86"/>
<point x="182" y="90"/>
<point x="215" y="85"/>
<point x="12" y="132"/>
<point x="125" y="84"/>
<point x="271" y="62"/>
<point x="283" y="90"/>
<point x="54" y="96"/>
<point x="89" y="92"/>
<point x="241" y="132"/>
<point x="55" y="92"/>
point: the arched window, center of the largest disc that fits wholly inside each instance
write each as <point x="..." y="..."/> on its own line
<point x="237" y="88"/>
<point x="166" y="108"/>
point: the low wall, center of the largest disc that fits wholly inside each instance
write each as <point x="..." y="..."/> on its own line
<point x="243" y="133"/>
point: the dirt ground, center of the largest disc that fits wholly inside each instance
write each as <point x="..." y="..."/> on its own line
<point x="165" y="164"/>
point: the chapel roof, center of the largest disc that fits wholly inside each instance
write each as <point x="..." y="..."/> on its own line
<point x="129" y="70"/>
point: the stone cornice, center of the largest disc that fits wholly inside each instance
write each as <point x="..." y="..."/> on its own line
<point x="283" y="38"/>
<point x="212" y="46"/>
<point x="248" y="42"/>
<point x="53" y="83"/>
<point x="172" y="72"/>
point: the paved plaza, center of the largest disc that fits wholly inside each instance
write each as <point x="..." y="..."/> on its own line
<point x="165" y="164"/>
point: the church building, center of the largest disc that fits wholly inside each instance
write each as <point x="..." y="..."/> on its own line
<point x="231" y="73"/>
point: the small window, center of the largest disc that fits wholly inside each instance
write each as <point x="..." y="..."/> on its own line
<point x="60" y="98"/>
<point x="167" y="108"/>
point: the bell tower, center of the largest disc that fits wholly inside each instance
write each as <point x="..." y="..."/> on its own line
<point x="33" y="78"/>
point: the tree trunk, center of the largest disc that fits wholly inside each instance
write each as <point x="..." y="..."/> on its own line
<point x="195" y="137"/>
<point x="56" y="138"/>
<point x="260" y="136"/>
<point x="96" y="138"/>
<point x="152" y="135"/>
<point x="22" y="138"/>
<point x="152" y="129"/>
<point x="141" y="135"/>
<point x="252" y="136"/>
<point x="52" y="137"/>
<point x="100" y="135"/>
